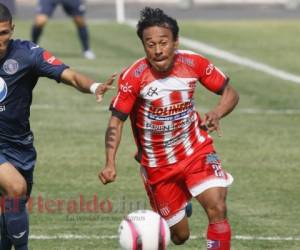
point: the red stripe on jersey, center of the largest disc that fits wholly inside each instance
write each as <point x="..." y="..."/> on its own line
<point x="157" y="140"/>
<point x="179" y="151"/>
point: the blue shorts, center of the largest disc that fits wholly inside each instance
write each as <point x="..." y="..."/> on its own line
<point x="23" y="158"/>
<point x="71" y="7"/>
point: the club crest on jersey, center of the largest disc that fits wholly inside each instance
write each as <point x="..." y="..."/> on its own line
<point x="10" y="66"/>
<point x="3" y="89"/>
<point x="51" y="59"/>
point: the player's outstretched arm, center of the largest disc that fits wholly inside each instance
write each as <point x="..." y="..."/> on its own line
<point x="227" y="103"/>
<point x="87" y="85"/>
<point x="112" y="140"/>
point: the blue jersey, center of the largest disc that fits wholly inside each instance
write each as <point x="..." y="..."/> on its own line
<point x="20" y="70"/>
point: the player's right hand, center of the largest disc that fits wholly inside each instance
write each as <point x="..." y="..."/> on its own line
<point x="107" y="175"/>
<point x="102" y="88"/>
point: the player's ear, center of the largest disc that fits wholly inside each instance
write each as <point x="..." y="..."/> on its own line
<point x="12" y="28"/>
<point x="176" y="43"/>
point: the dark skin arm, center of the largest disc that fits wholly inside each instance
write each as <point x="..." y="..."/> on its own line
<point x="112" y="140"/>
<point x="83" y="83"/>
<point x="227" y="103"/>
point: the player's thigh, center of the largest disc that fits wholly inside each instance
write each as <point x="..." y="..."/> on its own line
<point x="205" y="172"/>
<point x="46" y="7"/>
<point x="169" y="199"/>
<point x="74" y="7"/>
<point x="213" y="200"/>
<point x="12" y="182"/>
<point x="17" y="165"/>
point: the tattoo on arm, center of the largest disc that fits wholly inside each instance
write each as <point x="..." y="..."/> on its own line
<point x="110" y="137"/>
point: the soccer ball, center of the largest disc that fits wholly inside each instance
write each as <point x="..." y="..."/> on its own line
<point x="144" y="230"/>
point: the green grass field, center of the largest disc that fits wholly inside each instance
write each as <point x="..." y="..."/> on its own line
<point x="260" y="145"/>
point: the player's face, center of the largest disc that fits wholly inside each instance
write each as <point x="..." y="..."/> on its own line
<point x="160" y="47"/>
<point x="6" y="30"/>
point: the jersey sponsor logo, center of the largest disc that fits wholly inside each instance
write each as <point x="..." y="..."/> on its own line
<point x="152" y="91"/>
<point x="10" y="66"/>
<point x="209" y="69"/>
<point x="165" y="128"/>
<point x="140" y="69"/>
<point x="3" y="90"/>
<point x="170" y="113"/>
<point x="176" y="140"/>
<point x="186" y="60"/>
<point x="192" y="84"/>
<point x="126" y="88"/>
<point x="51" y="59"/>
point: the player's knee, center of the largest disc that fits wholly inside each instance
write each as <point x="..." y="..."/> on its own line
<point x="17" y="188"/>
<point x="217" y="211"/>
<point x="179" y="238"/>
<point x="41" y="20"/>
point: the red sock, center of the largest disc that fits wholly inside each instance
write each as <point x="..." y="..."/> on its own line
<point x="218" y="236"/>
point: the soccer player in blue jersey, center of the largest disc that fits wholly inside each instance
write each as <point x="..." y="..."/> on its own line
<point x="73" y="8"/>
<point x="21" y="65"/>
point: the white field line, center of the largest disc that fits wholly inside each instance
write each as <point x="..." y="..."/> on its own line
<point x="112" y="237"/>
<point x="230" y="57"/>
<point x="209" y="50"/>
<point x="104" y="108"/>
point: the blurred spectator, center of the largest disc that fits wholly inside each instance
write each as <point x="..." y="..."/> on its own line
<point x="185" y="4"/>
<point x="73" y="8"/>
<point x="292" y="4"/>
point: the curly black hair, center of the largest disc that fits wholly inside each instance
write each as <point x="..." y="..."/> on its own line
<point x="150" y="17"/>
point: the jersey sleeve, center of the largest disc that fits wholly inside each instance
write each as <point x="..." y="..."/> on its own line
<point x="47" y="65"/>
<point x="128" y="91"/>
<point x="210" y="76"/>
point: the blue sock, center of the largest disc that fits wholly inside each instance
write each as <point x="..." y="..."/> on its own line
<point x="5" y="243"/>
<point x="189" y="209"/>
<point x="16" y="222"/>
<point x="84" y="37"/>
<point x="36" y="33"/>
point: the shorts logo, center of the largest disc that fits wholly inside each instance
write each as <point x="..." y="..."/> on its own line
<point x="10" y="66"/>
<point x="212" y="159"/>
<point x="51" y="59"/>
<point x="3" y="89"/>
<point x="164" y="211"/>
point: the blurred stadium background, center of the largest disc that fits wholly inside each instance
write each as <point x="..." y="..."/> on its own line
<point x="256" y="42"/>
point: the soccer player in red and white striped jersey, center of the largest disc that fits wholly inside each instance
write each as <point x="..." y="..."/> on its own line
<point x="176" y="153"/>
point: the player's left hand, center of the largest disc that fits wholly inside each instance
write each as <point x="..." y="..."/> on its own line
<point x="211" y="122"/>
<point x="103" y="87"/>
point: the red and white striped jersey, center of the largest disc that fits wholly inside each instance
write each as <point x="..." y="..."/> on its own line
<point x="164" y="121"/>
